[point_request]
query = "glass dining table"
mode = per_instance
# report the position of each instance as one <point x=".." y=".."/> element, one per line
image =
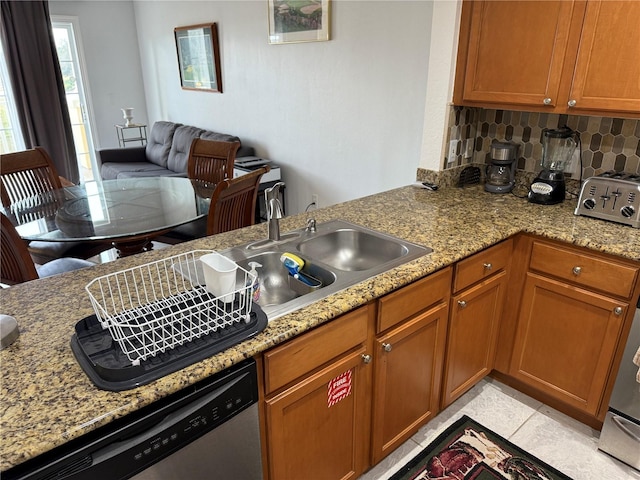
<point x="128" y="213"/>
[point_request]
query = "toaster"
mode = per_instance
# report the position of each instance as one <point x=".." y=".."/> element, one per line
<point x="613" y="196"/>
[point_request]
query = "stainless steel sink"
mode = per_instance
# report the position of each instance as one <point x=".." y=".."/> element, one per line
<point x="338" y="253"/>
<point x="277" y="287"/>
<point x="353" y="250"/>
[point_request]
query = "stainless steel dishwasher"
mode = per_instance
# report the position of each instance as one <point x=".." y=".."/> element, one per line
<point x="620" y="435"/>
<point x="207" y="431"/>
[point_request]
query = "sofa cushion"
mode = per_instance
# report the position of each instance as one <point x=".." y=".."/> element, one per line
<point x="113" y="170"/>
<point x="159" y="142"/>
<point x="179" y="153"/>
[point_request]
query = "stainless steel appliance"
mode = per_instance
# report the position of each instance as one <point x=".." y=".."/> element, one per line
<point x="558" y="145"/>
<point x="209" y="430"/>
<point x="500" y="174"/>
<point x="620" y="436"/>
<point x="613" y="196"/>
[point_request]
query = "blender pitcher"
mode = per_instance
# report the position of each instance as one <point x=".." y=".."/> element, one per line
<point x="558" y="146"/>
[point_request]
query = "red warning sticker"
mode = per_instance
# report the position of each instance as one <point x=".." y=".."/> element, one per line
<point x="339" y="388"/>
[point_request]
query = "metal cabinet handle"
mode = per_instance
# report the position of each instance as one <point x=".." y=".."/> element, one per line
<point x="547" y="101"/>
<point x="618" y="311"/>
<point x="366" y="358"/>
<point x="462" y="303"/>
<point x="572" y="103"/>
<point x="387" y="347"/>
<point x="487" y="266"/>
<point x="577" y="271"/>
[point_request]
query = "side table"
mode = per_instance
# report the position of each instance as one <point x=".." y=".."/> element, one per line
<point x="138" y="134"/>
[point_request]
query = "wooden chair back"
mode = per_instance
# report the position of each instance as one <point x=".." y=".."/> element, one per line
<point x="233" y="202"/>
<point x="211" y="161"/>
<point x="26" y="173"/>
<point x="16" y="265"/>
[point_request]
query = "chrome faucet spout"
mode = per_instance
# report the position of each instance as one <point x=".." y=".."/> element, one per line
<point x="274" y="210"/>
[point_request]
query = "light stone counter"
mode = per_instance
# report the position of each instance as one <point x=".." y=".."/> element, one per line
<point x="47" y="400"/>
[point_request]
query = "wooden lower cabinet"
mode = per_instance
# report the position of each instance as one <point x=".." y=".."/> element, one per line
<point x="566" y="340"/>
<point x="408" y="371"/>
<point x="317" y="409"/>
<point x="471" y="341"/>
<point x="312" y="439"/>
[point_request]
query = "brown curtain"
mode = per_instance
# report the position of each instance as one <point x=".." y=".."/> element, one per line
<point x="32" y="61"/>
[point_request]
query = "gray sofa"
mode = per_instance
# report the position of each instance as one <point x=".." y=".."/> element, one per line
<point x="165" y="154"/>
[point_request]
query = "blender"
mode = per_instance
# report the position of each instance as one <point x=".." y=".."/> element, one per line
<point x="558" y="145"/>
<point x="500" y="174"/>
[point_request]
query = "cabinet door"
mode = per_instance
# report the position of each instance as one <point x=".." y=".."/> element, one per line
<point x="471" y="341"/>
<point x="407" y="379"/>
<point x="608" y="66"/>
<point x="313" y="432"/>
<point x="516" y="52"/>
<point x="565" y="341"/>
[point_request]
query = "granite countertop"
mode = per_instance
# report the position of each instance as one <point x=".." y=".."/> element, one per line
<point x="48" y="400"/>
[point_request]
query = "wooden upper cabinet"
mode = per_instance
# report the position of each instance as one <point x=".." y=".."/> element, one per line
<point x="516" y="51"/>
<point x="607" y="72"/>
<point x="550" y="56"/>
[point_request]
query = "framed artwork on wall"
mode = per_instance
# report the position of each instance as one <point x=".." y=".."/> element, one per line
<point x="199" y="57"/>
<point x="293" y="21"/>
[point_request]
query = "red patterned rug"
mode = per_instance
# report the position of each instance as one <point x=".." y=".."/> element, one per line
<point x="468" y="451"/>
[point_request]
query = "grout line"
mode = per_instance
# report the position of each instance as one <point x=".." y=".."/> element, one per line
<point x="526" y="420"/>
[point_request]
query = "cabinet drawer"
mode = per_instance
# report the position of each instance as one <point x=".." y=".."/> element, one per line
<point x="589" y="270"/>
<point x="414" y="298"/>
<point x="301" y="355"/>
<point x="482" y="265"/>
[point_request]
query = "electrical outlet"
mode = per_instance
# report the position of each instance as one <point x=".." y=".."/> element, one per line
<point x="468" y="148"/>
<point x="452" y="151"/>
<point x="314" y="200"/>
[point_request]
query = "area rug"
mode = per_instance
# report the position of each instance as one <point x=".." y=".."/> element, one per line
<point x="468" y="451"/>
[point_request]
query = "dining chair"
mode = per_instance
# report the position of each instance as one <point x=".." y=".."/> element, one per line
<point x="233" y="202"/>
<point x="29" y="173"/>
<point x="233" y="206"/>
<point x="16" y="264"/>
<point x="211" y="161"/>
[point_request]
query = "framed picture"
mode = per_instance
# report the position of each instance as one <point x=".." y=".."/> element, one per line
<point x="199" y="57"/>
<point x="292" y="21"/>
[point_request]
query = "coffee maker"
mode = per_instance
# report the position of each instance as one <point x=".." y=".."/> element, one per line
<point x="558" y="145"/>
<point x="500" y="173"/>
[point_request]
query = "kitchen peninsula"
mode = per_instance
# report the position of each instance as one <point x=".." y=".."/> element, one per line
<point x="48" y="400"/>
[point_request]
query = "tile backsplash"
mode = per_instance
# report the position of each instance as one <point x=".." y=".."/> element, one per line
<point x="607" y="143"/>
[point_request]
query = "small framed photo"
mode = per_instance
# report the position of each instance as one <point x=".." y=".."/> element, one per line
<point x="199" y="57"/>
<point x="293" y="21"/>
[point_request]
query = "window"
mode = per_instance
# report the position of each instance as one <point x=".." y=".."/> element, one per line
<point x="11" y="139"/>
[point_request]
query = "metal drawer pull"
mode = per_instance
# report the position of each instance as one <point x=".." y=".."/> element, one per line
<point x="387" y="347"/>
<point x="462" y="303"/>
<point x="618" y="311"/>
<point x="547" y="101"/>
<point x="366" y="358"/>
<point x="577" y="271"/>
<point x="572" y="103"/>
<point x="488" y="266"/>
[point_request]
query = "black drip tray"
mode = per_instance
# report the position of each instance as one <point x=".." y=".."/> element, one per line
<point x="108" y="367"/>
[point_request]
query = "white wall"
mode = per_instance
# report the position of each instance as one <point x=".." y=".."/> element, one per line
<point x="343" y="118"/>
<point x="112" y="58"/>
<point x="442" y="63"/>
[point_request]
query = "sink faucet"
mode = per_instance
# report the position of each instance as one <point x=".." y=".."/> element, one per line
<point x="274" y="210"/>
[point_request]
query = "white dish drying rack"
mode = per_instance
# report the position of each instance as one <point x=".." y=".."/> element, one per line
<point x="164" y="304"/>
